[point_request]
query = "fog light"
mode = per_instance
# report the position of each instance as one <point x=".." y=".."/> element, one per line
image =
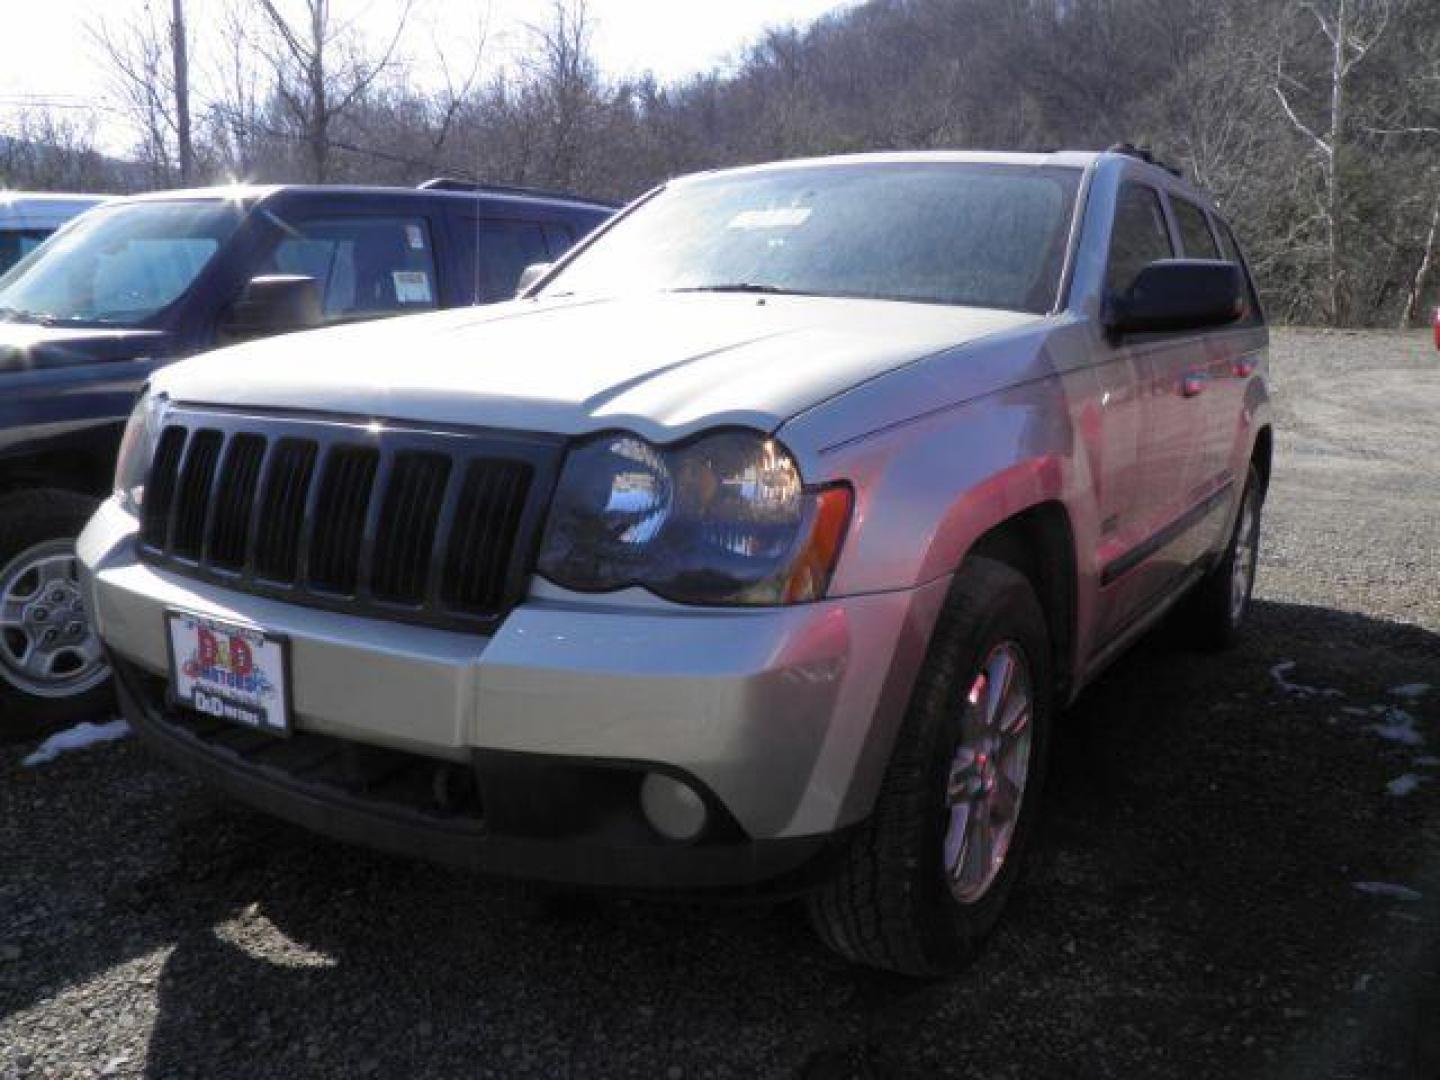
<point x="674" y="809"/>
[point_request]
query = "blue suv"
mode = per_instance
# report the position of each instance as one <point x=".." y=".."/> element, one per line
<point x="139" y="282"/>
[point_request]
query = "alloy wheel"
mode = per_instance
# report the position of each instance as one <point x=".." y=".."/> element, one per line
<point x="986" y="786"/>
<point x="1242" y="571"/>
<point x="48" y="647"/>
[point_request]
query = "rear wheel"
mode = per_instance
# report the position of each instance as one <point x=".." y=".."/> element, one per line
<point x="52" y="669"/>
<point x="1211" y="616"/>
<point x="926" y="877"/>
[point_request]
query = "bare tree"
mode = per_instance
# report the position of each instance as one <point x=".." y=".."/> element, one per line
<point x="450" y="100"/>
<point x="235" y="120"/>
<point x="1315" y="123"/>
<point x="565" y="85"/>
<point x="148" y="58"/>
<point x="1350" y="29"/>
<point x="43" y="149"/>
<point x="1421" y="281"/>
<point x="322" y="72"/>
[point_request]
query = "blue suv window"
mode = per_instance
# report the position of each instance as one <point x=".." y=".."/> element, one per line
<point x="16" y="244"/>
<point x="506" y="247"/>
<point x="365" y="266"/>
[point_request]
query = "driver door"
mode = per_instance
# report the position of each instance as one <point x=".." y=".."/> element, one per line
<point x="1146" y="555"/>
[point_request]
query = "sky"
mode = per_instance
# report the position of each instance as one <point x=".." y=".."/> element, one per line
<point x="48" y="56"/>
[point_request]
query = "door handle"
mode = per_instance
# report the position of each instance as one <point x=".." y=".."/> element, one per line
<point x="1194" y="383"/>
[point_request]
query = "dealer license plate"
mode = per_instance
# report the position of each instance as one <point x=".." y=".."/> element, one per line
<point x="232" y="672"/>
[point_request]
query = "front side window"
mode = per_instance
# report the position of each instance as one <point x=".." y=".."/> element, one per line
<point x="364" y="266"/>
<point x="1195" y="231"/>
<point x="985" y="235"/>
<point x="119" y="265"/>
<point x="1139" y="236"/>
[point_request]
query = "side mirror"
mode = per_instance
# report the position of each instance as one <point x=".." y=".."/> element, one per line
<point x="1179" y="294"/>
<point x="272" y="304"/>
<point x="530" y="275"/>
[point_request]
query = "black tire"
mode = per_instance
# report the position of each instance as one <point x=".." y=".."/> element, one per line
<point x="29" y="519"/>
<point x="1209" y="618"/>
<point x="889" y="904"/>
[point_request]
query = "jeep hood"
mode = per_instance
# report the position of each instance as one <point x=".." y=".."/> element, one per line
<point x="26" y="346"/>
<point x="663" y="365"/>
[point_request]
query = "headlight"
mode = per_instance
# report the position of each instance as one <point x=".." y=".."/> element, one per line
<point x="137" y="448"/>
<point x="724" y="519"/>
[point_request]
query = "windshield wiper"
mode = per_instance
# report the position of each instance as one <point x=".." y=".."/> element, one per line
<point x="743" y="287"/>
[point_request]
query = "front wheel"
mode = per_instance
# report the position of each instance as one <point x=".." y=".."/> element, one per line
<point x="52" y="669"/>
<point x="927" y="875"/>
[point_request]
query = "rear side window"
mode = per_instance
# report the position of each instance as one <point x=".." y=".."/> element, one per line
<point x="16" y="244"/>
<point x="506" y="247"/>
<point x="365" y="266"/>
<point x="1138" y="238"/>
<point x="1195" y="231"/>
<point x="558" y="238"/>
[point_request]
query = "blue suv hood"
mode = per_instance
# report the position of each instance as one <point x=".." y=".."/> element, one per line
<point x="25" y="346"/>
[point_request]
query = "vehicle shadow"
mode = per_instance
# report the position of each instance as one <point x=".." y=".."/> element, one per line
<point x="1191" y="910"/>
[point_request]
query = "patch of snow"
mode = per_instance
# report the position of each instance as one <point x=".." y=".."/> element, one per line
<point x="1399" y="726"/>
<point x="77" y="738"/>
<point x="1281" y="672"/>
<point x="1385" y="888"/>
<point x="1354" y="710"/>
<point x="1427" y="761"/>
<point x="1404" y="785"/>
<point x="1410" y="691"/>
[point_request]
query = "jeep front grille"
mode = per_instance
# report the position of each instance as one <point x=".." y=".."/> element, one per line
<point x="420" y="525"/>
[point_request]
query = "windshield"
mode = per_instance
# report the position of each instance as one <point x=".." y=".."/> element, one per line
<point x="117" y="265"/>
<point x="943" y="232"/>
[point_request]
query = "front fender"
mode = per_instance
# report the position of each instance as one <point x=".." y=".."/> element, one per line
<point x="927" y="489"/>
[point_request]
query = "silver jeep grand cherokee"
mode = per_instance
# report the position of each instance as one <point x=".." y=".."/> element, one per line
<point x="755" y="548"/>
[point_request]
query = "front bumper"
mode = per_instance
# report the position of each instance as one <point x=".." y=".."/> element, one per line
<point x="782" y="718"/>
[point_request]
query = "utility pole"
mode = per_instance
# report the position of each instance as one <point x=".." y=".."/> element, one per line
<point x="181" y="64"/>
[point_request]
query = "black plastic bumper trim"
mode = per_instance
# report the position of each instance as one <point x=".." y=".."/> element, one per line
<point x="747" y="867"/>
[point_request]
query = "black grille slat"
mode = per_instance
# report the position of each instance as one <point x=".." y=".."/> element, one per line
<point x="492" y="502"/>
<point x="344" y="500"/>
<point x="235" y="501"/>
<point x="282" y="509"/>
<point x="429" y="527"/>
<point x="160" y="487"/>
<point x="192" y="495"/>
<point x="409" y="519"/>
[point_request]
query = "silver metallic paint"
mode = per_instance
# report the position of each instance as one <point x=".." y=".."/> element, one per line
<point x="947" y="421"/>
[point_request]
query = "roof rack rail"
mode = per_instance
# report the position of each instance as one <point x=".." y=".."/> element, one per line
<point x="450" y="183"/>
<point x="1142" y="153"/>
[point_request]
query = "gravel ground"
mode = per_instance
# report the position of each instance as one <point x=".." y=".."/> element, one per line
<point x="1192" y="911"/>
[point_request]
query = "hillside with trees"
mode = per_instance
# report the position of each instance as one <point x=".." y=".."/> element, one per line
<point x="1314" y="123"/>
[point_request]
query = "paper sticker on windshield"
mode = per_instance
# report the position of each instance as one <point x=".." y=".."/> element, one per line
<point x="412" y="287"/>
<point x="415" y="237"/>
<point x="786" y="217"/>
